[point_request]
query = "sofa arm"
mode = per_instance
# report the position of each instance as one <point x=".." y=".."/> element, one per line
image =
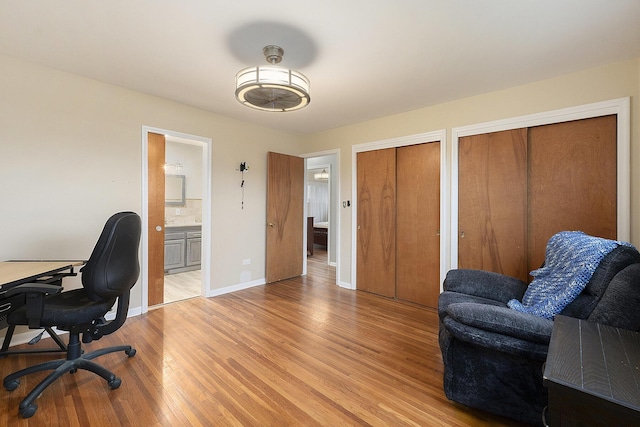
<point x="502" y="320"/>
<point x="619" y="304"/>
<point x="484" y="284"/>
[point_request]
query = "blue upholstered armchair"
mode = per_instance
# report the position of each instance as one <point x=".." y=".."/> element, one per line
<point x="493" y="355"/>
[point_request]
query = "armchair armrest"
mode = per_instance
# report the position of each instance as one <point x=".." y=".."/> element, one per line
<point x="484" y="284"/>
<point x="35" y="294"/>
<point x="503" y="320"/>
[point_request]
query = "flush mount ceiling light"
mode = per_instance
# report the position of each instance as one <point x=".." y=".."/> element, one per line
<point x="321" y="176"/>
<point x="271" y="88"/>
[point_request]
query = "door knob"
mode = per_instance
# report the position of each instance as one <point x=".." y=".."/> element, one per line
<point x="158" y="228"/>
<point x="462" y="235"/>
<point x="271" y="224"/>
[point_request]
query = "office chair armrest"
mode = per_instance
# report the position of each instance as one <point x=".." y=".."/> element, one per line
<point x="104" y="328"/>
<point x="35" y="294"/>
<point x="41" y="288"/>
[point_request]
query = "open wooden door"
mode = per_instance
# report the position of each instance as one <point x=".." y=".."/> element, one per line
<point x="285" y="197"/>
<point x="156" y="153"/>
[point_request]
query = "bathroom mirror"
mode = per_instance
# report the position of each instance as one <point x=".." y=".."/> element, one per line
<point x="174" y="190"/>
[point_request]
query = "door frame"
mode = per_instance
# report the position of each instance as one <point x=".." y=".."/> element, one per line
<point x="619" y="107"/>
<point x="206" y="209"/>
<point x="334" y="197"/>
<point x="422" y="138"/>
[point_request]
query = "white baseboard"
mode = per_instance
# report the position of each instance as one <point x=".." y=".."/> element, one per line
<point x="345" y="285"/>
<point x="238" y="287"/>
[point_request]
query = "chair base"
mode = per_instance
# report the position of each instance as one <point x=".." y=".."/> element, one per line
<point x="4" y="351"/>
<point x="60" y="367"/>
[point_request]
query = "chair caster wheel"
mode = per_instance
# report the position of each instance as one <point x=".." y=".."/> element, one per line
<point x="131" y="352"/>
<point x="28" y="411"/>
<point x="12" y="385"/>
<point x="115" y="383"/>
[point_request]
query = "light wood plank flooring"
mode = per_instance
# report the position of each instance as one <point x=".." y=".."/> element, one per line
<point x="301" y="352"/>
<point x="181" y="286"/>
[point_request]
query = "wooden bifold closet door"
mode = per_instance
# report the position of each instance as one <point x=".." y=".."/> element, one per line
<point x="398" y="252"/>
<point x="517" y="188"/>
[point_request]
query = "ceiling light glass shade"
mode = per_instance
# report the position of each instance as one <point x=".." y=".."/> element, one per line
<point x="271" y="88"/>
<point x="321" y="176"/>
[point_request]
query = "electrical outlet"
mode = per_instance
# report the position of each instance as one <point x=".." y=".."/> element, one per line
<point x="246" y="261"/>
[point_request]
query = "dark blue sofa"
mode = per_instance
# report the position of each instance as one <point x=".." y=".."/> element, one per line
<point x="493" y="356"/>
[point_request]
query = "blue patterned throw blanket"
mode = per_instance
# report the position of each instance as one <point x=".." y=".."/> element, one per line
<point x="570" y="260"/>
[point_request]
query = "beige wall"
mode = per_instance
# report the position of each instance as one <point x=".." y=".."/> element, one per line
<point x="584" y="87"/>
<point x="71" y="155"/>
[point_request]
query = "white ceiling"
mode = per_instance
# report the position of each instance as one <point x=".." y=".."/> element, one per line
<point x="365" y="58"/>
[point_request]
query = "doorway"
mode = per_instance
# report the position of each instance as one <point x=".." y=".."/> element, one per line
<point x="182" y="219"/>
<point x="322" y="211"/>
<point x="176" y="229"/>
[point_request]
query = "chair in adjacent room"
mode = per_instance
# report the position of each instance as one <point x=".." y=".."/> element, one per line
<point x="493" y="355"/>
<point x="108" y="276"/>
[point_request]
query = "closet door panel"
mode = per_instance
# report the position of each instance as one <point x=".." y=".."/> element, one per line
<point x="492" y="202"/>
<point x="418" y="223"/>
<point x="572" y="181"/>
<point x="376" y="228"/>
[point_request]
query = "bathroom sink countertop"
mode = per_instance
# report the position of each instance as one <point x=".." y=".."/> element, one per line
<point x="192" y="224"/>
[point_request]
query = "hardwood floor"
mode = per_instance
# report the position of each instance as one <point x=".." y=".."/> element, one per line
<point x="301" y="352"/>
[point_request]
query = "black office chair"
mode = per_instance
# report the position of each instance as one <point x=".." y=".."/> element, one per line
<point x="109" y="275"/>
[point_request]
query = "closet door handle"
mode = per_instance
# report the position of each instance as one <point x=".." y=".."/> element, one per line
<point x="462" y="235"/>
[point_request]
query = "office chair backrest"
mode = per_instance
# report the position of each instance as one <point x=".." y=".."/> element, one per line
<point x="113" y="267"/>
